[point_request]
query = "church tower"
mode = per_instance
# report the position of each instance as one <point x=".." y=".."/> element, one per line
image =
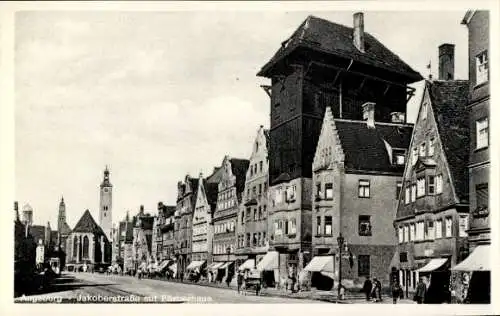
<point x="61" y="218"/>
<point x="105" y="205"/>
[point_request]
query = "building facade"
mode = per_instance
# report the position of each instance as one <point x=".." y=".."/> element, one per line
<point x="321" y="64"/>
<point x="165" y="217"/>
<point x="206" y="201"/>
<point x="432" y="214"/>
<point x="252" y="222"/>
<point x="106" y="205"/>
<point x="186" y="199"/>
<point x="477" y="23"/>
<point x="143" y="239"/>
<point x="357" y="173"/>
<point x="87" y="245"/>
<point x="230" y="191"/>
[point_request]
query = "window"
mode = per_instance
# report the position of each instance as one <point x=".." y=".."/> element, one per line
<point x="260" y="165"/>
<point x="276" y="228"/>
<point x="400" y="235"/>
<point x="365" y="227"/>
<point x="439" y="229"/>
<point x="422" y="150"/>
<point x="363" y="265"/>
<point x="364" y="189"/>
<point x="407" y="195"/>
<point x="431" y="185"/>
<point x="255" y="214"/>
<point x="420" y="187"/>
<point x="290" y="193"/>
<point x="328" y="225"/>
<point x="430" y="149"/>
<point x="482" y="132"/>
<point x="430" y="231"/>
<point x="259" y="216"/>
<point x="463" y="225"/>
<point x="318" y="190"/>
<point x="329" y="191"/>
<point x="403" y="257"/>
<point x="406" y="233"/>
<point x="420" y="231"/>
<point x="448" y="226"/>
<point x="413" y="192"/>
<point x="292" y="230"/>
<point x="264" y="212"/>
<point x="286" y="227"/>
<point x="482" y="70"/>
<point x="318" y="225"/>
<point x="248" y="240"/>
<point x="412" y="232"/>
<point x="424" y="111"/>
<point x="398" y="157"/>
<point x="260" y="189"/>
<point x="399" y="186"/>
<point x="439" y="184"/>
<point x="482" y="198"/>
<point x="414" y="155"/>
<point x="279" y="196"/>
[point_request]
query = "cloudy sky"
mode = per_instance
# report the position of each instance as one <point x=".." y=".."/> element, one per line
<point x="158" y="95"/>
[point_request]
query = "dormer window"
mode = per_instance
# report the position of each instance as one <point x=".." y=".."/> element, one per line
<point x="398" y="157"/>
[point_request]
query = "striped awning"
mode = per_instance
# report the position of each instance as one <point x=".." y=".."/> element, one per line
<point x="249" y="264"/>
<point x="320" y="264"/>
<point x="195" y="264"/>
<point x="269" y="262"/>
<point x="215" y="265"/>
<point x="225" y="265"/>
<point x="433" y="265"/>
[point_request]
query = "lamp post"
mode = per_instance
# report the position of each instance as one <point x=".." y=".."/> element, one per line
<point x="340" y="241"/>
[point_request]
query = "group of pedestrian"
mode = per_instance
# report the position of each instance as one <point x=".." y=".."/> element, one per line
<point x="372" y="290"/>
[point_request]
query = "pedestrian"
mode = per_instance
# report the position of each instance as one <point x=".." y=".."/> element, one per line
<point x="377" y="289"/>
<point x="367" y="288"/>
<point x="182" y="276"/>
<point x="397" y="291"/>
<point x="239" y="281"/>
<point x="420" y="292"/>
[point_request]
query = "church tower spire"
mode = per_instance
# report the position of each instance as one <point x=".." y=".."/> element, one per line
<point x="61" y="218"/>
<point x="105" y="205"/>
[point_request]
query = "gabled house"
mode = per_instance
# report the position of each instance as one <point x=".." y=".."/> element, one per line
<point x="252" y="223"/>
<point x="432" y="215"/>
<point x="186" y="199"/>
<point x="143" y="239"/>
<point x="357" y="173"/>
<point x="229" y="197"/>
<point x="164" y="212"/>
<point x="322" y="64"/>
<point x="206" y="200"/>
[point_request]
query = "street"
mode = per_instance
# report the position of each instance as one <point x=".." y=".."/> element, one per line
<point x="102" y="288"/>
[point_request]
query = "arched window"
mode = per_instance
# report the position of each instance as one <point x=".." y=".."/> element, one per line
<point x="85" y="254"/>
<point x="75" y="246"/>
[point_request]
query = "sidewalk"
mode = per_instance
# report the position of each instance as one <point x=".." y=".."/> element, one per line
<point x="324" y="296"/>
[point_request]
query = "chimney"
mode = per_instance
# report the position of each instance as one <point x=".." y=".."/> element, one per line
<point x="369" y="114"/>
<point x="446" y="62"/>
<point x="359" y="31"/>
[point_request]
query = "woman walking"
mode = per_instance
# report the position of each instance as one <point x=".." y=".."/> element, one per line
<point x="397" y="291"/>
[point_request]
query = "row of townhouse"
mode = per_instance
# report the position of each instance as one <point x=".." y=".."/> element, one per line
<point x="442" y="220"/>
<point x="340" y="168"/>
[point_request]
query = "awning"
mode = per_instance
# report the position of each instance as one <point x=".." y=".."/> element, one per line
<point x="225" y="265"/>
<point x="164" y="264"/>
<point x="320" y="264"/>
<point x="478" y="260"/>
<point x="215" y="265"/>
<point x="433" y="265"/>
<point x="269" y="262"/>
<point x="249" y="264"/>
<point x="195" y="264"/>
<point x="173" y="268"/>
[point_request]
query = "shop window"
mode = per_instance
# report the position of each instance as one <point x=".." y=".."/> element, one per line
<point x="363" y="265"/>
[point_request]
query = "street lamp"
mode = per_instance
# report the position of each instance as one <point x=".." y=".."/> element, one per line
<point x="340" y="241"/>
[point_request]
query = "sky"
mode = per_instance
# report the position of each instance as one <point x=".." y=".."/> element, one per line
<point x="158" y="95"/>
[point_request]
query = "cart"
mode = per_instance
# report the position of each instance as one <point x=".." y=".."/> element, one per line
<point x="253" y="281"/>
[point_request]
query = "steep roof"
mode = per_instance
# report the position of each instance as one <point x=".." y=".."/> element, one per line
<point x="211" y="190"/>
<point x="364" y="147"/>
<point x="167" y="211"/>
<point x="239" y="169"/>
<point x="65" y="229"/>
<point x="87" y="224"/>
<point x="37" y="232"/>
<point x="216" y="176"/>
<point x="449" y="103"/>
<point x="336" y="39"/>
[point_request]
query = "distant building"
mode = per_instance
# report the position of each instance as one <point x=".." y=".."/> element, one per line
<point x="322" y="64"/>
<point x="186" y="199"/>
<point x="106" y="205"/>
<point x="63" y="229"/>
<point x="252" y="223"/>
<point x="143" y="239"/>
<point x="230" y="195"/>
<point x="87" y="245"/>
<point x="432" y="214"/>
<point x="164" y="212"/>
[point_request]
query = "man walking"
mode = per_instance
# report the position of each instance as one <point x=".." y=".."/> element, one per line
<point x="367" y="288"/>
<point x="397" y="291"/>
<point x="420" y="292"/>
